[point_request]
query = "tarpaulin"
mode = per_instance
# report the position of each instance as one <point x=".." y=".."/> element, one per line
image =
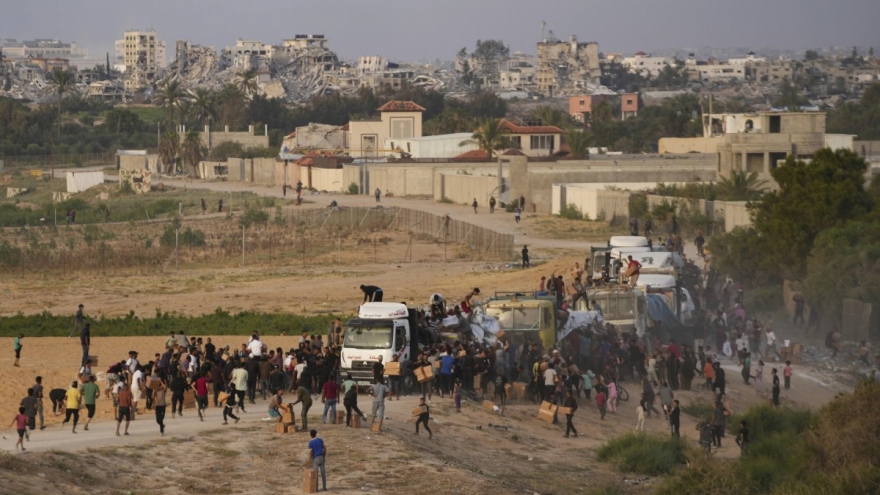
<point x="578" y="320"/>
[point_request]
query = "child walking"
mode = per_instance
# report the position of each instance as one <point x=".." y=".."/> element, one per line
<point x="600" y="401"/>
<point x="612" y="398"/>
<point x="20" y="421"/>
<point x="229" y="405"/>
<point x="759" y="375"/>
<point x="423" y="418"/>
<point x="456" y="392"/>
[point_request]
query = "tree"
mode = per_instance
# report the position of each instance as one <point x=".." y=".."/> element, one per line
<point x="169" y="150"/>
<point x="204" y="105"/>
<point x="488" y="58"/>
<point x="192" y="151"/>
<point x="811" y="198"/>
<point x="232" y="108"/>
<point x="789" y="97"/>
<point x="61" y="81"/>
<point x="170" y="97"/>
<point x="246" y="82"/>
<point x="552" y="116"/>
<point x="740" y="186"/>
<point x="844" y="263"/>
<point x="490" y="137"/>
<point x="811" y="55"/>
<point x="579" y="142"/>
<point x="741" y="253"/>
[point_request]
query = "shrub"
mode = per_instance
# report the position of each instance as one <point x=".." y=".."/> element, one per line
<point x="638" y="205"/>
<point x="353" y="188"/>
<point x="643" y="454"/>
<point x="572" y="212"/>
<point x="763" y="299"/>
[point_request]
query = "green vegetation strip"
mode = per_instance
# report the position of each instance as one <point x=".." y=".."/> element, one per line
<point x="219" y="322"/>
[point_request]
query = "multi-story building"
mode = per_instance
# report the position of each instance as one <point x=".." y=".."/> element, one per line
<point x="46" y="48"/>
<point x="371" y="64"/>
<point x="646" y="65"/>
<point x="246" y="54"/>
<point x="773" y="71"/>
<point x="749" y="58"/>
<point x="561" y="63"/>
<point x="143" y="54"/>
<point x="716" y="72"/>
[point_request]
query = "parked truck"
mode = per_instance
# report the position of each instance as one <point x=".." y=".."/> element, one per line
<point x="526" y="315"/>
<point x="380" y="330"/>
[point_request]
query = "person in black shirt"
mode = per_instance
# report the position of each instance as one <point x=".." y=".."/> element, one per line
<point x="371" y="293"/>
<point x="500" y="392"/>
<point x="675" y="419"/>
<point x="573" y="405"/>
<point x="85" y="339"/>
<point x="775" y="388"/>
<point x="743" y="438"/>
<point x="378" y="371"/>
<point x="210" y="349"/>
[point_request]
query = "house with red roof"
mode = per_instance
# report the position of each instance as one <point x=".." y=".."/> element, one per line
<point x="534" y="140"/>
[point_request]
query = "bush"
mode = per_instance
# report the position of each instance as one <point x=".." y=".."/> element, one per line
<point x="643" y="454"/>
<point x="638" y="205"/>
<point x="353" y="188"/>
<point x="764" y="299"/>
<point x="572" y="212"/>
<point x="219" y="322"/>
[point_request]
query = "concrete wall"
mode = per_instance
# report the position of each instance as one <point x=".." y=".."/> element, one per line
<point x="247" y="139"/>
<point x="132" y="162"/>
<point x="688" y="145"/>
<point x="262" y="171"/>
<point x="464" y="188"/>
<point x="80" y="181"/>
<point x="328" y="179"/>
<point x="730" y="214"/>
<point x="594" y="203"/>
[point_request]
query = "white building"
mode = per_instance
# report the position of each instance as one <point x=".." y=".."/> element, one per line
<point x="373" y="63"/>
<point x="440" y="146"/>
<point x="750" y="57"/>
<point x="647" y="65"/>
<point x="246" y="54"/>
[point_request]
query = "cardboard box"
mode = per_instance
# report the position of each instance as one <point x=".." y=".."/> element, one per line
<point x="340" y="418"/>
<point x="424" y="374"/>
<point x="287" y="417"/>
<point x="417" y="411"/>
<point x="189" y="401"/>
<point x="392" y="368"/>
<point x="376" y="425"/>
<point x="310" y="480"/>
<point x="94" y="361"/>
<point x="280" y="428"/>
<point x="478" y="382"/>
<point x="222" y="397"/>
<point x="565" y="411"/>
<point x="507" y="390"/>
<point x="500" y="335"/>
<point x="355" y="421"/>
<point x="520" y="390"/>
<point x="545" y="415"/>
<point x="488" y="404"/>
<point x="154" y="383"/>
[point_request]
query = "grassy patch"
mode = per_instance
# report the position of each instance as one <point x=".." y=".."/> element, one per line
<point x="643" y="454"/>
<point x="219" y="322"/>
<point x="221" y="452"/>
<point x="698" y="409"/>
<point x="564" y="228"/>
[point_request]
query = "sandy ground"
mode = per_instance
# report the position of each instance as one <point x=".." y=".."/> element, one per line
<point x="205" y="457"/>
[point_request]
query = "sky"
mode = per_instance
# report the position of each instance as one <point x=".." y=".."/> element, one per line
<point x="420" y="29"/>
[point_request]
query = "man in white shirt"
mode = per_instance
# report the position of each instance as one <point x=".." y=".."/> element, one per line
<point x="549" y="383"/>
<point x="771" y="342"/>
<point x="137" y="382"/>
<point x="239" y="378"/>
<point x="255" y="347"/>
<point x="288" y="375"/>
<point x="132" y="361"/>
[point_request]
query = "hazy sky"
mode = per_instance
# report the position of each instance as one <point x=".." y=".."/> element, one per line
<point x="415" y="29"/>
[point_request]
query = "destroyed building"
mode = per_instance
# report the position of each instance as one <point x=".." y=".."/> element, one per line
<point x="564" y="66"/>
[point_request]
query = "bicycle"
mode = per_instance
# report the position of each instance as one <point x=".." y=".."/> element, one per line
<point x="622" y="394"/>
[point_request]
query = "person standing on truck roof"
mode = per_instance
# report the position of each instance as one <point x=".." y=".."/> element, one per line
<point x="633" y="268"/>
<point x="371" y="293"/>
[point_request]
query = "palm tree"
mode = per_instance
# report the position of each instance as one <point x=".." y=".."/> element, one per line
<point x="204" y="105"/>
<point x="490" y="137"/>
<point x="169" y="149"/>
<point x="192" y="151"/>
<point x="740" y="186"/>
<point x="62" y="80"/>
<point x="551" y="116"/>
<point x="578" y="142"/>
<point x="170" y="96"/>
<point x="231" y="106"/>
<point x="246" y="81"/>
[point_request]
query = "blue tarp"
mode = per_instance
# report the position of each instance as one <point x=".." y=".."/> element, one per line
<point x="666" y="324"/>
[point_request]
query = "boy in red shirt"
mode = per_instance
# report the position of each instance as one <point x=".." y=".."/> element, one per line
<point x="786" y="373"/>
<point x="600" y="401"/>
<point x="20" y="421"/>
<point x="201" y="386"/>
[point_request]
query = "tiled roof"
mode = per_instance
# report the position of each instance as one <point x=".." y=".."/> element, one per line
<point x="530" y="129"/>
<point x="513" y="152"/>
<point x="401" y="106"/>
<point x="472" y="154"/>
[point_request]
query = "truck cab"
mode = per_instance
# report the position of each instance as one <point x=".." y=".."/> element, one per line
<point x="627" y="310"/>
<point x="608" y="258"/>
<point x="380" y="330"/>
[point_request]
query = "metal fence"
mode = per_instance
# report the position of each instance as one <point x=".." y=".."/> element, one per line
<point x="484" y="243"/>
